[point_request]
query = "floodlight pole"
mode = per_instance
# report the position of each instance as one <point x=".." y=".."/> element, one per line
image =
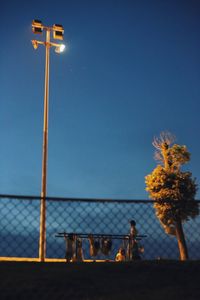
<point x="42" y="242"/>
<point x="58" y="32"/>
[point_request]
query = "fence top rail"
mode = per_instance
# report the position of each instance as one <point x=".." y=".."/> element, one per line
<point x="71" y="199"/>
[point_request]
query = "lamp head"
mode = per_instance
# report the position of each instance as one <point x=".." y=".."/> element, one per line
<point x="37" y="26"/>
<point x="60" y="48"/>
<point x="58" y="32"/>
<point x="35" y="44"/>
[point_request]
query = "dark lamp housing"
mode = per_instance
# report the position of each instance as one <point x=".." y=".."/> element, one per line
<point x="58" y="32"/>
<point x="37" y="26"/>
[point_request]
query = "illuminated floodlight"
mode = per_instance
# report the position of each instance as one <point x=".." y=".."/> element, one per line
<point x="37" y="26"/>
<point x="58" y="32"/>
<point x="60" y="48"/>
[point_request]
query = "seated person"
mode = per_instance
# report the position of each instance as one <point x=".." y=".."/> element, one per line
<point x="120" y="256"/>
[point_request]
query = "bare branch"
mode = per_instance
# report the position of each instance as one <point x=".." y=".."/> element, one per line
<point x="158" y="156"/>
<point x="164" y="138"/>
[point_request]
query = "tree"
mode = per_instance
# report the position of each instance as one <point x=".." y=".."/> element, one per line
<point x="173" y="189"/>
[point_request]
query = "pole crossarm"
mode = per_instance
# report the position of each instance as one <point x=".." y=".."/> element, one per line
<point x="50" y="44"/>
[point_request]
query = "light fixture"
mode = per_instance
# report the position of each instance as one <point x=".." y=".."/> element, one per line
<point x="58" y="32"/>
<point x="37" y="26"/>
<point x="60" y="48"/>
<point x="35" y="44"/>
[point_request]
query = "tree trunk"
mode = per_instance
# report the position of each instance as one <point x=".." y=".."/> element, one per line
<point x="181" y="241"/>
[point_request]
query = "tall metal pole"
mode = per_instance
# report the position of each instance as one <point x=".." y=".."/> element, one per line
<point x="42" y="241"/>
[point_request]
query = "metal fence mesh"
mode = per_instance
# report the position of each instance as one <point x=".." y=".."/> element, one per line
<point x="20" y="218"/>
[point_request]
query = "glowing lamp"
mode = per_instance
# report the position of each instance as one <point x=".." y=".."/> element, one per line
<point x="60" y="48"/>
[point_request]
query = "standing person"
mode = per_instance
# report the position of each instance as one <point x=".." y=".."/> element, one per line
<point x="136" y="251"/>
<point x="133" y="230"/>
<point x="79" y="250"/>
<point x="70" y="245"/>
<point x="132" y="239"/>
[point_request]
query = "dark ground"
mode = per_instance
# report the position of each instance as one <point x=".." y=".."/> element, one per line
<point x="143" y="280"/>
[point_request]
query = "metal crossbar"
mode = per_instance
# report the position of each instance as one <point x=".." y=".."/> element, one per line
<point x="99" y="235"/>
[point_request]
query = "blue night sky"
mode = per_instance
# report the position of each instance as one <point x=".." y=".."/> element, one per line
<point x="131" y="70"/>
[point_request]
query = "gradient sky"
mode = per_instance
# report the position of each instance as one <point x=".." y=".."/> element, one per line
<point x="132" y="70"/>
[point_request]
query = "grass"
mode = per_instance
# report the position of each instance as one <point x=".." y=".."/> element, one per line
<point x="142" y="280"/>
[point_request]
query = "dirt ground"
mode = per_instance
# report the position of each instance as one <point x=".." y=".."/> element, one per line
<point x="142" y="280"/>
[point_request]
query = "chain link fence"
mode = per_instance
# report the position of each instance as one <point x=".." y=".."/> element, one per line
<point x="20" y="223"/>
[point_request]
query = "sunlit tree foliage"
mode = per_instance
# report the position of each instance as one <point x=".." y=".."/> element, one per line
<point x="173" y="189"/>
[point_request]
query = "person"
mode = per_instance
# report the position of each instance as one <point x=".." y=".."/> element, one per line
<point x="70" y="244"/>
<point x="106" y="245"/>
<point x="135" y="251"/>
<point x="120" y="256"/>
<point x="79" y="251"/>
<point x="94" y="245"/>
<point x="132" y="240"/>
<point x="133" y="230"/>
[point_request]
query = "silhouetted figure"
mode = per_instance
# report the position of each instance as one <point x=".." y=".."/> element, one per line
<point x="133" y="230"/>
<point x="106" y="245"/>
<point x="132" y="245"/>
<point x="70" y="246"/>
<point x="79" y="251"/>
<point x="94" y="246"/>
